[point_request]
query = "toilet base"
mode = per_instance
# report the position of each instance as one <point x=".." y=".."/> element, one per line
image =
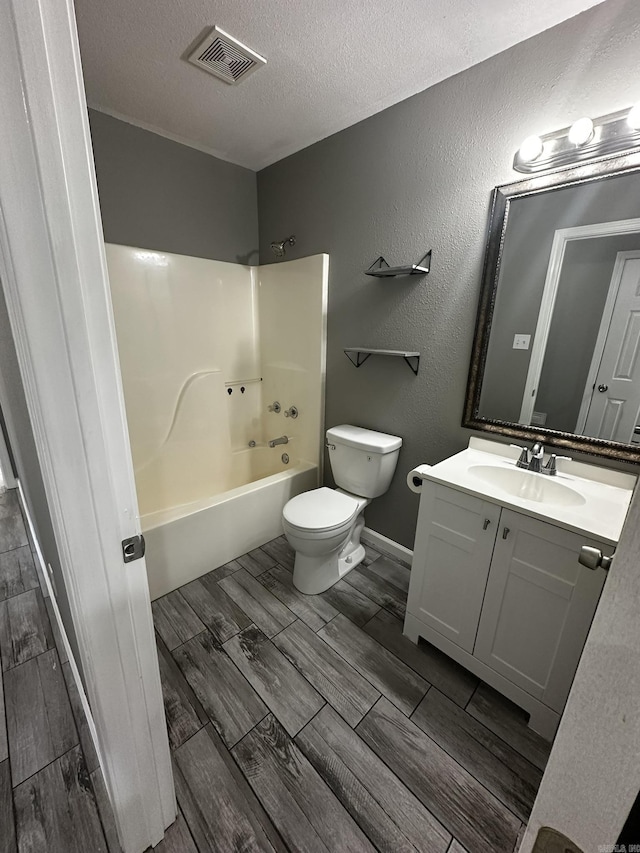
<point x="312" y="575"/>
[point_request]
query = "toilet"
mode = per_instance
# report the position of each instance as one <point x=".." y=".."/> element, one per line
<point x="323" y="526"/>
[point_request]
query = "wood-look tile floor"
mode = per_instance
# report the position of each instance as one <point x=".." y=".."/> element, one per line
<point x="309" y="723"/>
<point x="52" y="794"/>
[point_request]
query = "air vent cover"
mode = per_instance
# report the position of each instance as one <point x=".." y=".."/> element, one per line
<point x="226" y="57"/>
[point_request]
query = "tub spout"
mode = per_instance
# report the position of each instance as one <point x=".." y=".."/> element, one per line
<point x="276" y="441"/>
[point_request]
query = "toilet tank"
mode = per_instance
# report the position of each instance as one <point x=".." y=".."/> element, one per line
<point x="363" y="461"/>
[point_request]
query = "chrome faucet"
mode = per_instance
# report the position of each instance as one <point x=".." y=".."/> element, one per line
<point x="537" y="456"/>
<point x="276" y="441"/>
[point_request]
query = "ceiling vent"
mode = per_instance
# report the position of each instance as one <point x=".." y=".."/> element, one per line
<point x="226" y="57"/>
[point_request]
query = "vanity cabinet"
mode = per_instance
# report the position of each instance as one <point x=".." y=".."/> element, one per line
<point x="504" y="594"/>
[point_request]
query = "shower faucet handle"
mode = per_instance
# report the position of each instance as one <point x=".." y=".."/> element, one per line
<point x="275" y="407"/>
<point x="291" y="412"/>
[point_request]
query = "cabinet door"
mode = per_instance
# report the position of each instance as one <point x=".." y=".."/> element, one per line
<point x="454" y="541"/>
<point x="538" y="606"/>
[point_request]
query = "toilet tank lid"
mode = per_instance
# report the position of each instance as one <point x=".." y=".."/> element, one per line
<point x="364" y="439"/>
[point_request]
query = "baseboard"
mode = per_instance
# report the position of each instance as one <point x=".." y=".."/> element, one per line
<point x="48" y="592"/>
<point x="387" y="546"/>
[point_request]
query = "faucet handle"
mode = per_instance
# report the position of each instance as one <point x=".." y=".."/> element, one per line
<point x="275" y="407"/>
<point x="523" y="461"/>
<point x="551" y="467"/>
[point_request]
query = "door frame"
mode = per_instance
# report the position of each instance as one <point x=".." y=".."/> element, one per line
<point x="545" y="315"/>
<point x="603" y="333"/>
<point x="53" y="272"/>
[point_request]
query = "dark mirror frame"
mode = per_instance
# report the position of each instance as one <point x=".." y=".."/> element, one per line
<point x="498" y="219"/>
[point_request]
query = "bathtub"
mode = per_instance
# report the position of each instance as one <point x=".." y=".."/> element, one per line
<point x="190" y="539"/>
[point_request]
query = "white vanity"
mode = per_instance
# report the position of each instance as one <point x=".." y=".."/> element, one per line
<point x="495" y="579"/>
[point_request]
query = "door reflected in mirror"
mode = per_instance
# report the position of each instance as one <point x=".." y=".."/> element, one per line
<point x="557" y="347"/>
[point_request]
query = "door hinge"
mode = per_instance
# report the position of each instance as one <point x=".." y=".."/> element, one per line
<point x="133" y="548"/>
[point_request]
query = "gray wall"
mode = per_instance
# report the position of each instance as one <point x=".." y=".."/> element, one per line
<point x="531" y="227"/>
<point x="419" y="176"/>
<point x="158" y="194"/>
<point x="23" y="450"/>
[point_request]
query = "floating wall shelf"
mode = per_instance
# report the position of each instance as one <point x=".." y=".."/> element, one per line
<point x="362" y="354"/>
<point x="381" y="269"/>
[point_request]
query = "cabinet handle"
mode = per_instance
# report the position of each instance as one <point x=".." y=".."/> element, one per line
<point x="487" y="522"/>
<point x="505" y="532"/>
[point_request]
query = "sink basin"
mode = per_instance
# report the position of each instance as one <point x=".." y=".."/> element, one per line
<point x="527" y="485"/>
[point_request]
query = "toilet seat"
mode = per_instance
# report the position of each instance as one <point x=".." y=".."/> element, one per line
<point x="320" y="510"/>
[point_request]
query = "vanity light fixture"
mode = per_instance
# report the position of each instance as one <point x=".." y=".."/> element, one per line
<point x="587" y="139"/>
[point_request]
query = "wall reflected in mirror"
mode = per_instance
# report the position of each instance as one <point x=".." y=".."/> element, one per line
<point x="563" y="347"/>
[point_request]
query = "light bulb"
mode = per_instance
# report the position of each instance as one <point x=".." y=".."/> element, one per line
<point x="530" y="149"/>
<point x="633" y="119"/>
<point x="581" y="131"/>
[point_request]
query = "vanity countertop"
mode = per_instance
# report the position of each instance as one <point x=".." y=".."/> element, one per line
<point x="583" y="498"/>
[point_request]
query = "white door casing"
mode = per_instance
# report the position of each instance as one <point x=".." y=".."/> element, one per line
<point x="611" y="399"/>
<point x="545" y="315"/>
<point x="54" y="276"/>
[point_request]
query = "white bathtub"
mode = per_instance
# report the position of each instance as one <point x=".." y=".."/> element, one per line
<point x="189" y="540"/>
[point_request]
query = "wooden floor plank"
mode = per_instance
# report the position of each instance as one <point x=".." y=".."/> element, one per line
<point x="4" y="746"/>
<point x="336" y="680"/>
<point x="509" y="722"/>
<point x="378" y="590"/>
<point x="214" y="608"/>
<point x="13" y="533"/>
<point x="105" y="810"/>
<point x="467" y="809"/>
<point x="456" y="847"/>
<point x="177" y="838"/>
<point x="223" y="571"/>
<point x="230" y="702"/>
<point x="256" y="562"/>
<point x="24" y="628"/>
<point x="312" y="609"/>
<point x="283" y="689"/>
<point x="174" y="620"/>
<point x="184" y="714"/>
<point x="370" y="554"/>
<point x="280" y="551"/>
<point x="17" y="572"/>
<point x="263" y="608"/>
<point x="432" y="664"/>
<point x="348" y="600"/>
<point x="56" y="809"/>
<point x="305" y="811"/>
<point x="7" y="825"/>
<point x="82" y="726"/>
<point x="496" y="765"/>
<point x="392" y="817"/>
<point x="385" y="671"/>
<point x="392" y="572"/>
<point x="218" y="813"/>
<point x="40" y="722"/>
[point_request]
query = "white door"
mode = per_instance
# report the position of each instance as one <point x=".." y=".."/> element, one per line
<point x="538" y="606"/>
<point x="53" y="274"/>
<point x="454" y="542"/>
<point x="613" y="386"/>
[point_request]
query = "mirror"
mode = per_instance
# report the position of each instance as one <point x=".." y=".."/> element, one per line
<point x="556" y="354"/>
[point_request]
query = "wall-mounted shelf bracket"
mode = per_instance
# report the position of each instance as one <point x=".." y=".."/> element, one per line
<point x="358" y="355"/>
<point x="381" y="269"/>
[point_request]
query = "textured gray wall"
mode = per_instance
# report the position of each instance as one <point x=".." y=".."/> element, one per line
<point x="25" y="456"/>
<point x="419" y="176"/>
<point x="530" y="231"/>
<point x="158" y="194"/>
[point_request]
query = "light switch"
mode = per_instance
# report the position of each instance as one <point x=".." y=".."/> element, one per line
<point x="521" y="341"/>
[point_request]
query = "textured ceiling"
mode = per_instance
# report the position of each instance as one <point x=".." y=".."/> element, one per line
<point x="331" y="63"/>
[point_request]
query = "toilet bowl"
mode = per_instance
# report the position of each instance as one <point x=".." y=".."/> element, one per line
<point x="324" y="525"/>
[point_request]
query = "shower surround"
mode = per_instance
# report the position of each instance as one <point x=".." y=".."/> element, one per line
<point x="205" y="348"/>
